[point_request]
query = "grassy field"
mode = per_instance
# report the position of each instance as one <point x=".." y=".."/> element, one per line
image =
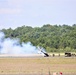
<point x="39" y="65"/>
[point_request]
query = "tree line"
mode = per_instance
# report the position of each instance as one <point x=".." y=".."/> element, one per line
<point x="54" y="38"/>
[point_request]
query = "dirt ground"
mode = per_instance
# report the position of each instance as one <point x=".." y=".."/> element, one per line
<point x="38" y="66"/>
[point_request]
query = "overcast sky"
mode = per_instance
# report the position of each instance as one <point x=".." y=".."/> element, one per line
<point x="36" y="13"/>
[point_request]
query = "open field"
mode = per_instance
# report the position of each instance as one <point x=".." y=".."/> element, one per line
<point x="38" y="65"/>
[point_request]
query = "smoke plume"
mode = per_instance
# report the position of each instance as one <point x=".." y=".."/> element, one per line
<point x="12" y="46"/>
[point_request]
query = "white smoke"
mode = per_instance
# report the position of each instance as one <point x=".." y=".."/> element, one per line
<point x="12" y="46"/>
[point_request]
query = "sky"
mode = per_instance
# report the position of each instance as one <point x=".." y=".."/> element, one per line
<point x="36" y="13"/>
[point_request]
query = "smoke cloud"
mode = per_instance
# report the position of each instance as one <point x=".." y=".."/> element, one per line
<point x="12" y="46"/>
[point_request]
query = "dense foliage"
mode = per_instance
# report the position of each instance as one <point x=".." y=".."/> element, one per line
<point x="54" y="38"/>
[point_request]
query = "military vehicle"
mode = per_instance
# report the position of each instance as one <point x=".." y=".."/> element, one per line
<point x="69" y="54"/>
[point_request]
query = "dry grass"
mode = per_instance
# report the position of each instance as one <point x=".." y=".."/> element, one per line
<point x="37" y="65"/>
